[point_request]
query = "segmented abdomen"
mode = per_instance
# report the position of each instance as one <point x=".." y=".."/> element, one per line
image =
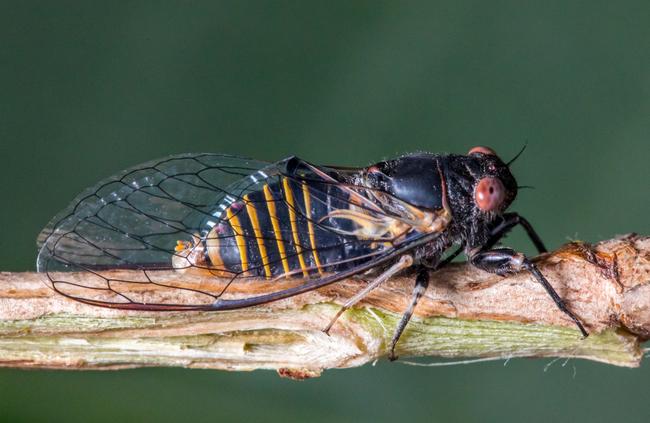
<point x="281" y="230"/>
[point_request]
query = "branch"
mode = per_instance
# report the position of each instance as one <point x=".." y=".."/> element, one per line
<point x="464" y="313"/>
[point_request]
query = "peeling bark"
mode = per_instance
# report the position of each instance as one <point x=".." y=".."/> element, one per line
<point x="464" y="313"/>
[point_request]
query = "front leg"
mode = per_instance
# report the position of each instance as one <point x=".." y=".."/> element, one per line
<point x="509" y="221"/>
<point x="504" y="261"/>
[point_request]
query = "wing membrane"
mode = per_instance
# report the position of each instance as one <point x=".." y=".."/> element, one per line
<point x="115" y="244"/>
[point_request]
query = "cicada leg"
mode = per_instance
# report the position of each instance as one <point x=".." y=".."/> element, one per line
<point x="503" y="261"/>
<point x="404" y="262"/>
<point x="421" y="284"/>
<point x="510" y="220"/>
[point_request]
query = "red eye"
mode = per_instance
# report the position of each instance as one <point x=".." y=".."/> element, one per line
<point x="489" y="194"/>
<point x="483" y="150"/>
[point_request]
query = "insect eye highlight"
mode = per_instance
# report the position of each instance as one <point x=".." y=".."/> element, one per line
<point x="482" y="150"/>
<point x="489" y="194"/>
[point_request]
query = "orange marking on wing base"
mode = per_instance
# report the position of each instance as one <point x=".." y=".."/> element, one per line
<point x="181" y="246"/>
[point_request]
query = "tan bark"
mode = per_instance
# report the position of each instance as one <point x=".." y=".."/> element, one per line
<point x="464" y="313"/>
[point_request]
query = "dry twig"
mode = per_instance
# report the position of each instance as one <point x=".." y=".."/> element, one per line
<point x="464" y="313"/>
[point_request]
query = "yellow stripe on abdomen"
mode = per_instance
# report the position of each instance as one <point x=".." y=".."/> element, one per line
<point x="252" y="215"/>
<point x="310" y="226"/>
<point x="294" y="224"/>
<point x="275" y="222"/>
<point x="233" y="219"/>
<point x="213" y="245"/>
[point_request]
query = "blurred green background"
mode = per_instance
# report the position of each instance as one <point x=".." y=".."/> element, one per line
<point x="88" y="88"/>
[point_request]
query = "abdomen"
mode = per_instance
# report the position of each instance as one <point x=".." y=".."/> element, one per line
<point x="281" y="230"/>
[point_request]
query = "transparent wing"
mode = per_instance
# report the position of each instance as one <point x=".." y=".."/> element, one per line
<point x="130" y="220"/>
<point x="116" y="244"/>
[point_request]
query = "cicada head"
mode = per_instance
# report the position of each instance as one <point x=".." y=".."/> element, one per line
<point x="494" y="187"/>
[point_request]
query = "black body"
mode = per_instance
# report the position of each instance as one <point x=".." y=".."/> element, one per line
<point x="243" y="219"/>
<point x="418" y="179"/>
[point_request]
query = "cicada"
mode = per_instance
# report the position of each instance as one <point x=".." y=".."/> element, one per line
<point x="239" y="219"/>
